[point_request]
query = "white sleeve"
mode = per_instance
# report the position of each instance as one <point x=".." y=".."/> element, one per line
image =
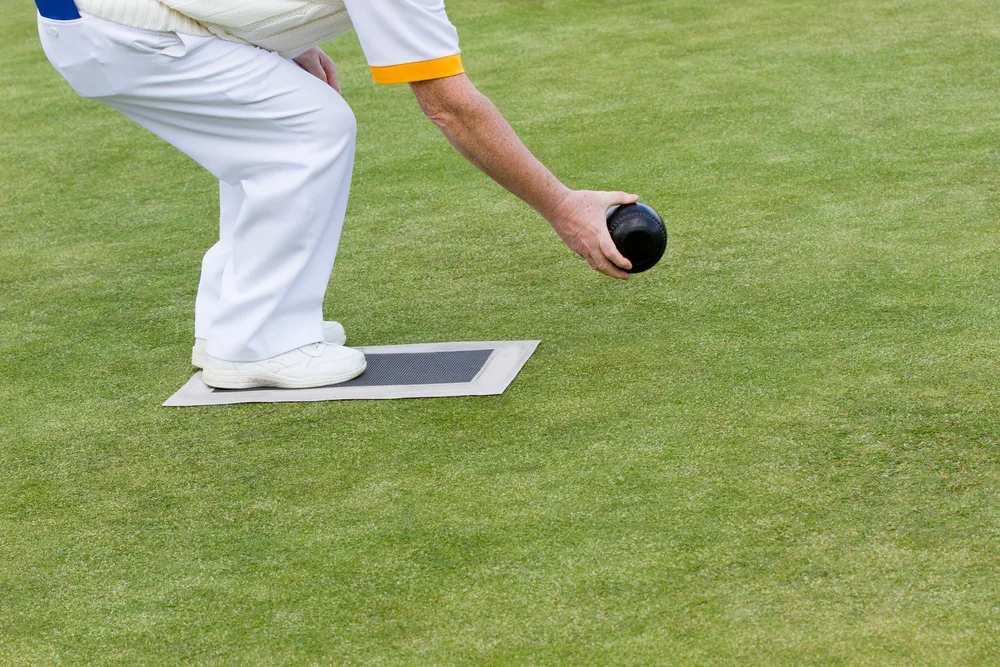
<point x="406" y="40"/>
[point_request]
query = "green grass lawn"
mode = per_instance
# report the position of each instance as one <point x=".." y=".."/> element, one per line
<point x="780" y="446"/>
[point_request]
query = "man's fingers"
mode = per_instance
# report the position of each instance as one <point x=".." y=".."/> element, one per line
<point x="607" y="246"/>
<point x="611" y="251"/>
<point x="602" y="265"/>
<point x="312" y="66"/>
<point x="331" y="74"/>
<point x="609" y="269"/>
<point x="316" y="70"/>
<point x="621" y="198"/>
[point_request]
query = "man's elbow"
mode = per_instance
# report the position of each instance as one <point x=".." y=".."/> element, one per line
<point x="448" y="102"/>
<point x="444" y="116"/>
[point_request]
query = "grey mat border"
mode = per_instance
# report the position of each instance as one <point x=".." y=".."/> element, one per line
<point x="507" y="360"/>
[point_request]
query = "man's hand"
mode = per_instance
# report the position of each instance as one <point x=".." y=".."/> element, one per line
<point x="477" y="129"/>
<point x="320" y="65"/>
<point x="581" y="222"/>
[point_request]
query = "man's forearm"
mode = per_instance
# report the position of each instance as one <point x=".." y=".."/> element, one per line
<point x="479" y="131"/>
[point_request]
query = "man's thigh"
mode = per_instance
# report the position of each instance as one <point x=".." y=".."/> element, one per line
<point x="233" y="108"/>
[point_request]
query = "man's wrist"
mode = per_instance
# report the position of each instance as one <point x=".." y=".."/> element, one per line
<point x="555" y="203"/>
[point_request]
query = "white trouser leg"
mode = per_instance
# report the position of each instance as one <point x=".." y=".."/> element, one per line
<point x="214" y="263"/>
<point x="258" y="123"/>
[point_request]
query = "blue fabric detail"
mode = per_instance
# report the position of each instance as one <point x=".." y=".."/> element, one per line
<point x="58" y="10"/>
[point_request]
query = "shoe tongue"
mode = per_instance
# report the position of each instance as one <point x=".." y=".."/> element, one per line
<point x="314" y="350"/>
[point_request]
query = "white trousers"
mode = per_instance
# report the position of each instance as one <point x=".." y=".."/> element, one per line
<point x="281" y="143"/>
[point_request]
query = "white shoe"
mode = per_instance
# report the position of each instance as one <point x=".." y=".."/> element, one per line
<point x="333" y="332"/>
<point x="315" y="365"/>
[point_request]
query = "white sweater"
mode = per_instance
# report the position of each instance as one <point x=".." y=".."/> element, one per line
<point x="287" y="27"/>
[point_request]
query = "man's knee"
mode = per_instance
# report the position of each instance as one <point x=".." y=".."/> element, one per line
<point x="347" y="119"/>
<point x="335" y="129"/>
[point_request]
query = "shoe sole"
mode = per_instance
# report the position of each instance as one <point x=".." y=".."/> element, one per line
<point x="222" y="379"/>
<point x="198" y="353"/>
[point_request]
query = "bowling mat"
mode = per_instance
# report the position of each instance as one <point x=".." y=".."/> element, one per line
<point x="394" y="371"/>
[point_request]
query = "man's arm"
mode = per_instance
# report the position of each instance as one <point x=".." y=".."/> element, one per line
<point x="476" y="128"/>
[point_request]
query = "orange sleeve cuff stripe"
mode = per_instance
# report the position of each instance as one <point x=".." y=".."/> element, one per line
<point x="438" y="68"/>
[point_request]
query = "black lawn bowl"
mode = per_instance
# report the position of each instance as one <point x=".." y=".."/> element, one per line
<point x="639" y="234"/>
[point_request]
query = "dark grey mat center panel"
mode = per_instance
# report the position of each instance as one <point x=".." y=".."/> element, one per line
<point x="404" y="369"/>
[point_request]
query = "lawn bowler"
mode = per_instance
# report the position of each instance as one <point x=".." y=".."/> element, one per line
<point x="241" y="88"/>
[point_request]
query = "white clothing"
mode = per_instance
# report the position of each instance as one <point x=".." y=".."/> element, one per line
<point x="406" y="40"/>
<point x="280" y="141"/>
<point x="392" y="32"/>
<point x="146" y="14"/>
<point x="287" y="27"/>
